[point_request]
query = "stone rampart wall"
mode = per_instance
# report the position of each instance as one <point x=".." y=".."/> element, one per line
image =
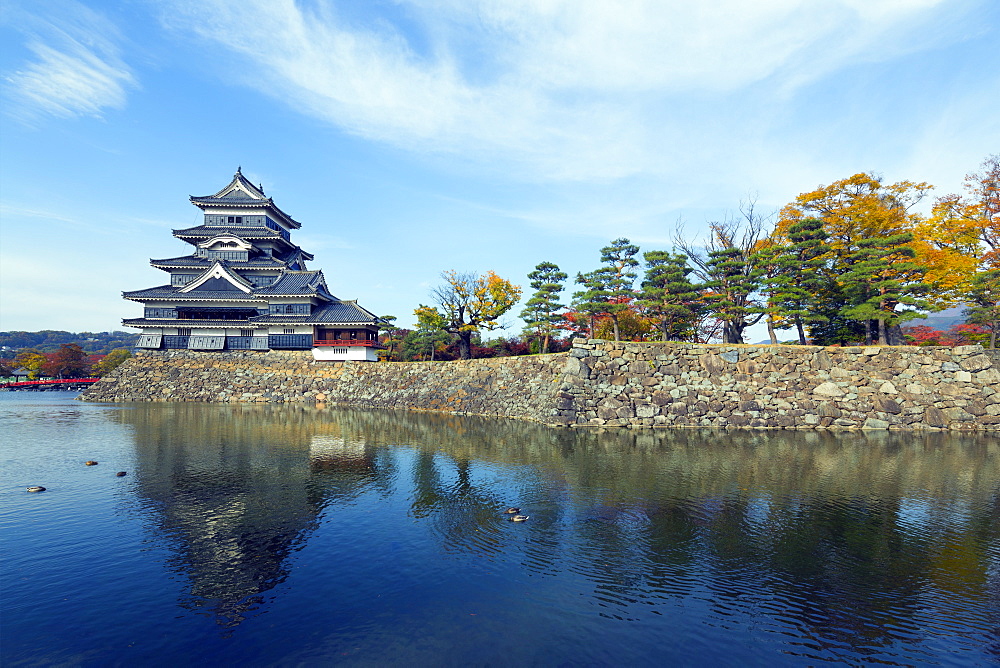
<point x="517" y="387"/>
<point x="874" y="387"/>
<point x="603" y="383"/>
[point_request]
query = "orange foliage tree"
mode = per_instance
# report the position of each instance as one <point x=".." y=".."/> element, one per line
<point x="855" y="212"/>
<point x="470" y="303"/>
<point x="962" y="235"/>
<point x="973" y="220"/>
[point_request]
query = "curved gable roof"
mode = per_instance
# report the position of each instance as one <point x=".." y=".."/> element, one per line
<point x="239" y="188"/>
<point x="218" y="278"/>
<point x="298" y="283"/>
<point x="241" y="193"/>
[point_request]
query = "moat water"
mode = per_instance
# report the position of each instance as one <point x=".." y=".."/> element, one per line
<point x="294" y="535"/>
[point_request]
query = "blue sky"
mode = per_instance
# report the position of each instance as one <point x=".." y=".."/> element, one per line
<point x="414" y="136"/>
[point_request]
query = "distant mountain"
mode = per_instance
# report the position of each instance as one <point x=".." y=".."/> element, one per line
<point x="942" y="320"/>
<point x="49" y="340"/>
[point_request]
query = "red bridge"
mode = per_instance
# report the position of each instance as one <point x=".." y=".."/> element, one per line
<point x="62" y="384"/>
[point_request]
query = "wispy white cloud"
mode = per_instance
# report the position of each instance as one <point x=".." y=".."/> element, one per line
<point x="75" y="69"/>
<point x="554" y="89"/>
<point x="8" y="211"/>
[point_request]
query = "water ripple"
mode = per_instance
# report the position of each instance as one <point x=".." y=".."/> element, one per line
<point x="281" y="535"/>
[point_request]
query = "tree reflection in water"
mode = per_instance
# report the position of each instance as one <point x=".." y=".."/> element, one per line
<point x="850" y="539"/>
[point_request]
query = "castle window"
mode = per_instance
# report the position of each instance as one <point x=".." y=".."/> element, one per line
<point x="289" y="330"/>
<point x="236" y="255"/>
<point x="183" y="331"/>
<point x="246" y="332"/>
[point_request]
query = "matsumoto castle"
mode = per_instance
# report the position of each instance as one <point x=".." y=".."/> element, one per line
<point x="245" y="286"/>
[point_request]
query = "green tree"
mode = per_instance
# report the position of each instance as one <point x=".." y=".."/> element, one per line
<point x="984" y="302"/>
<point x="668" y="296"/>
<point x="732" y="280"/>
<point x="835" y="328"/>
<point x="592" y="300"/>
<point x="430" y="329"/>
<point x="541" y="313"/>
<point x="423" y="344"/>
<point x="608" y="291"/>
<point x="471" y="303"/>
<point x="620" y="265"/>
<point x="393" y="338"/>
<point x="729" y="271"/>
<point x="882" y="276"/>
<point x="795" y="273"/>
<point x="111" y="361"/>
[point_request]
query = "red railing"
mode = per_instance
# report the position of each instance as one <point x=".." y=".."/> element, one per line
<point x="30" y="383"/>
<point x="347" y="343"/>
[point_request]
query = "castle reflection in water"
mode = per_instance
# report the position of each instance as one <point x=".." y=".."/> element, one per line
<point x="236" y="490"/>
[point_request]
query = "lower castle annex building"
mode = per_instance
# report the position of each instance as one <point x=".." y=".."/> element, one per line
<point x="245" y="286"/>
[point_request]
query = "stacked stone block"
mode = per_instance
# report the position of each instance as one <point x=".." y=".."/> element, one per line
<point x="803" y="387"/>
<point x="521" y="387"/>
<point x="604" y="383"/>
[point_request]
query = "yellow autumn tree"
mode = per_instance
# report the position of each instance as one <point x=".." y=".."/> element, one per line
<point x="970" y="223"/>
<point x="469" y="303"/>
<point x="858" y="214"/>
<point x="856" y="208"/>
<point x="32" y="361"/>
<point x="962" y="234"/>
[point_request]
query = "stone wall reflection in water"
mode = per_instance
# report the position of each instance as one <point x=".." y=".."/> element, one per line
<point x="858" y="541"/>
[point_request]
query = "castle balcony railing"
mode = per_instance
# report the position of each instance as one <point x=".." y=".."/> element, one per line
<point x="344" y="343"/>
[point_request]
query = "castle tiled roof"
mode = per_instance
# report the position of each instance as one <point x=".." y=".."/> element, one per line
<point x="289" y="284"/>
<point x="207" y="232"/>
<point x="204" y="263"/>
<point x="173" y="292"/>
<point x="296" y="283"/>
<point x="150" y="322"/>
<point x="335" y="313"/>
<point x="242" y="193"/>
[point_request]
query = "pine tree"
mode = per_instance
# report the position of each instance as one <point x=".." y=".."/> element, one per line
<point x="835" y="328"/>
<point x="608" y="290"/>
<point x="984" y="302"/>
<point x="668" y="295"/>
<point x="882" y="275"/>
<point x="621" y="263"/>
<point x="592" y="300"/>
<point x="796" y="274"/>
<point x="733" y="278"/>
<point x="729" y="272"/>
<point x="541" y="311"/>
